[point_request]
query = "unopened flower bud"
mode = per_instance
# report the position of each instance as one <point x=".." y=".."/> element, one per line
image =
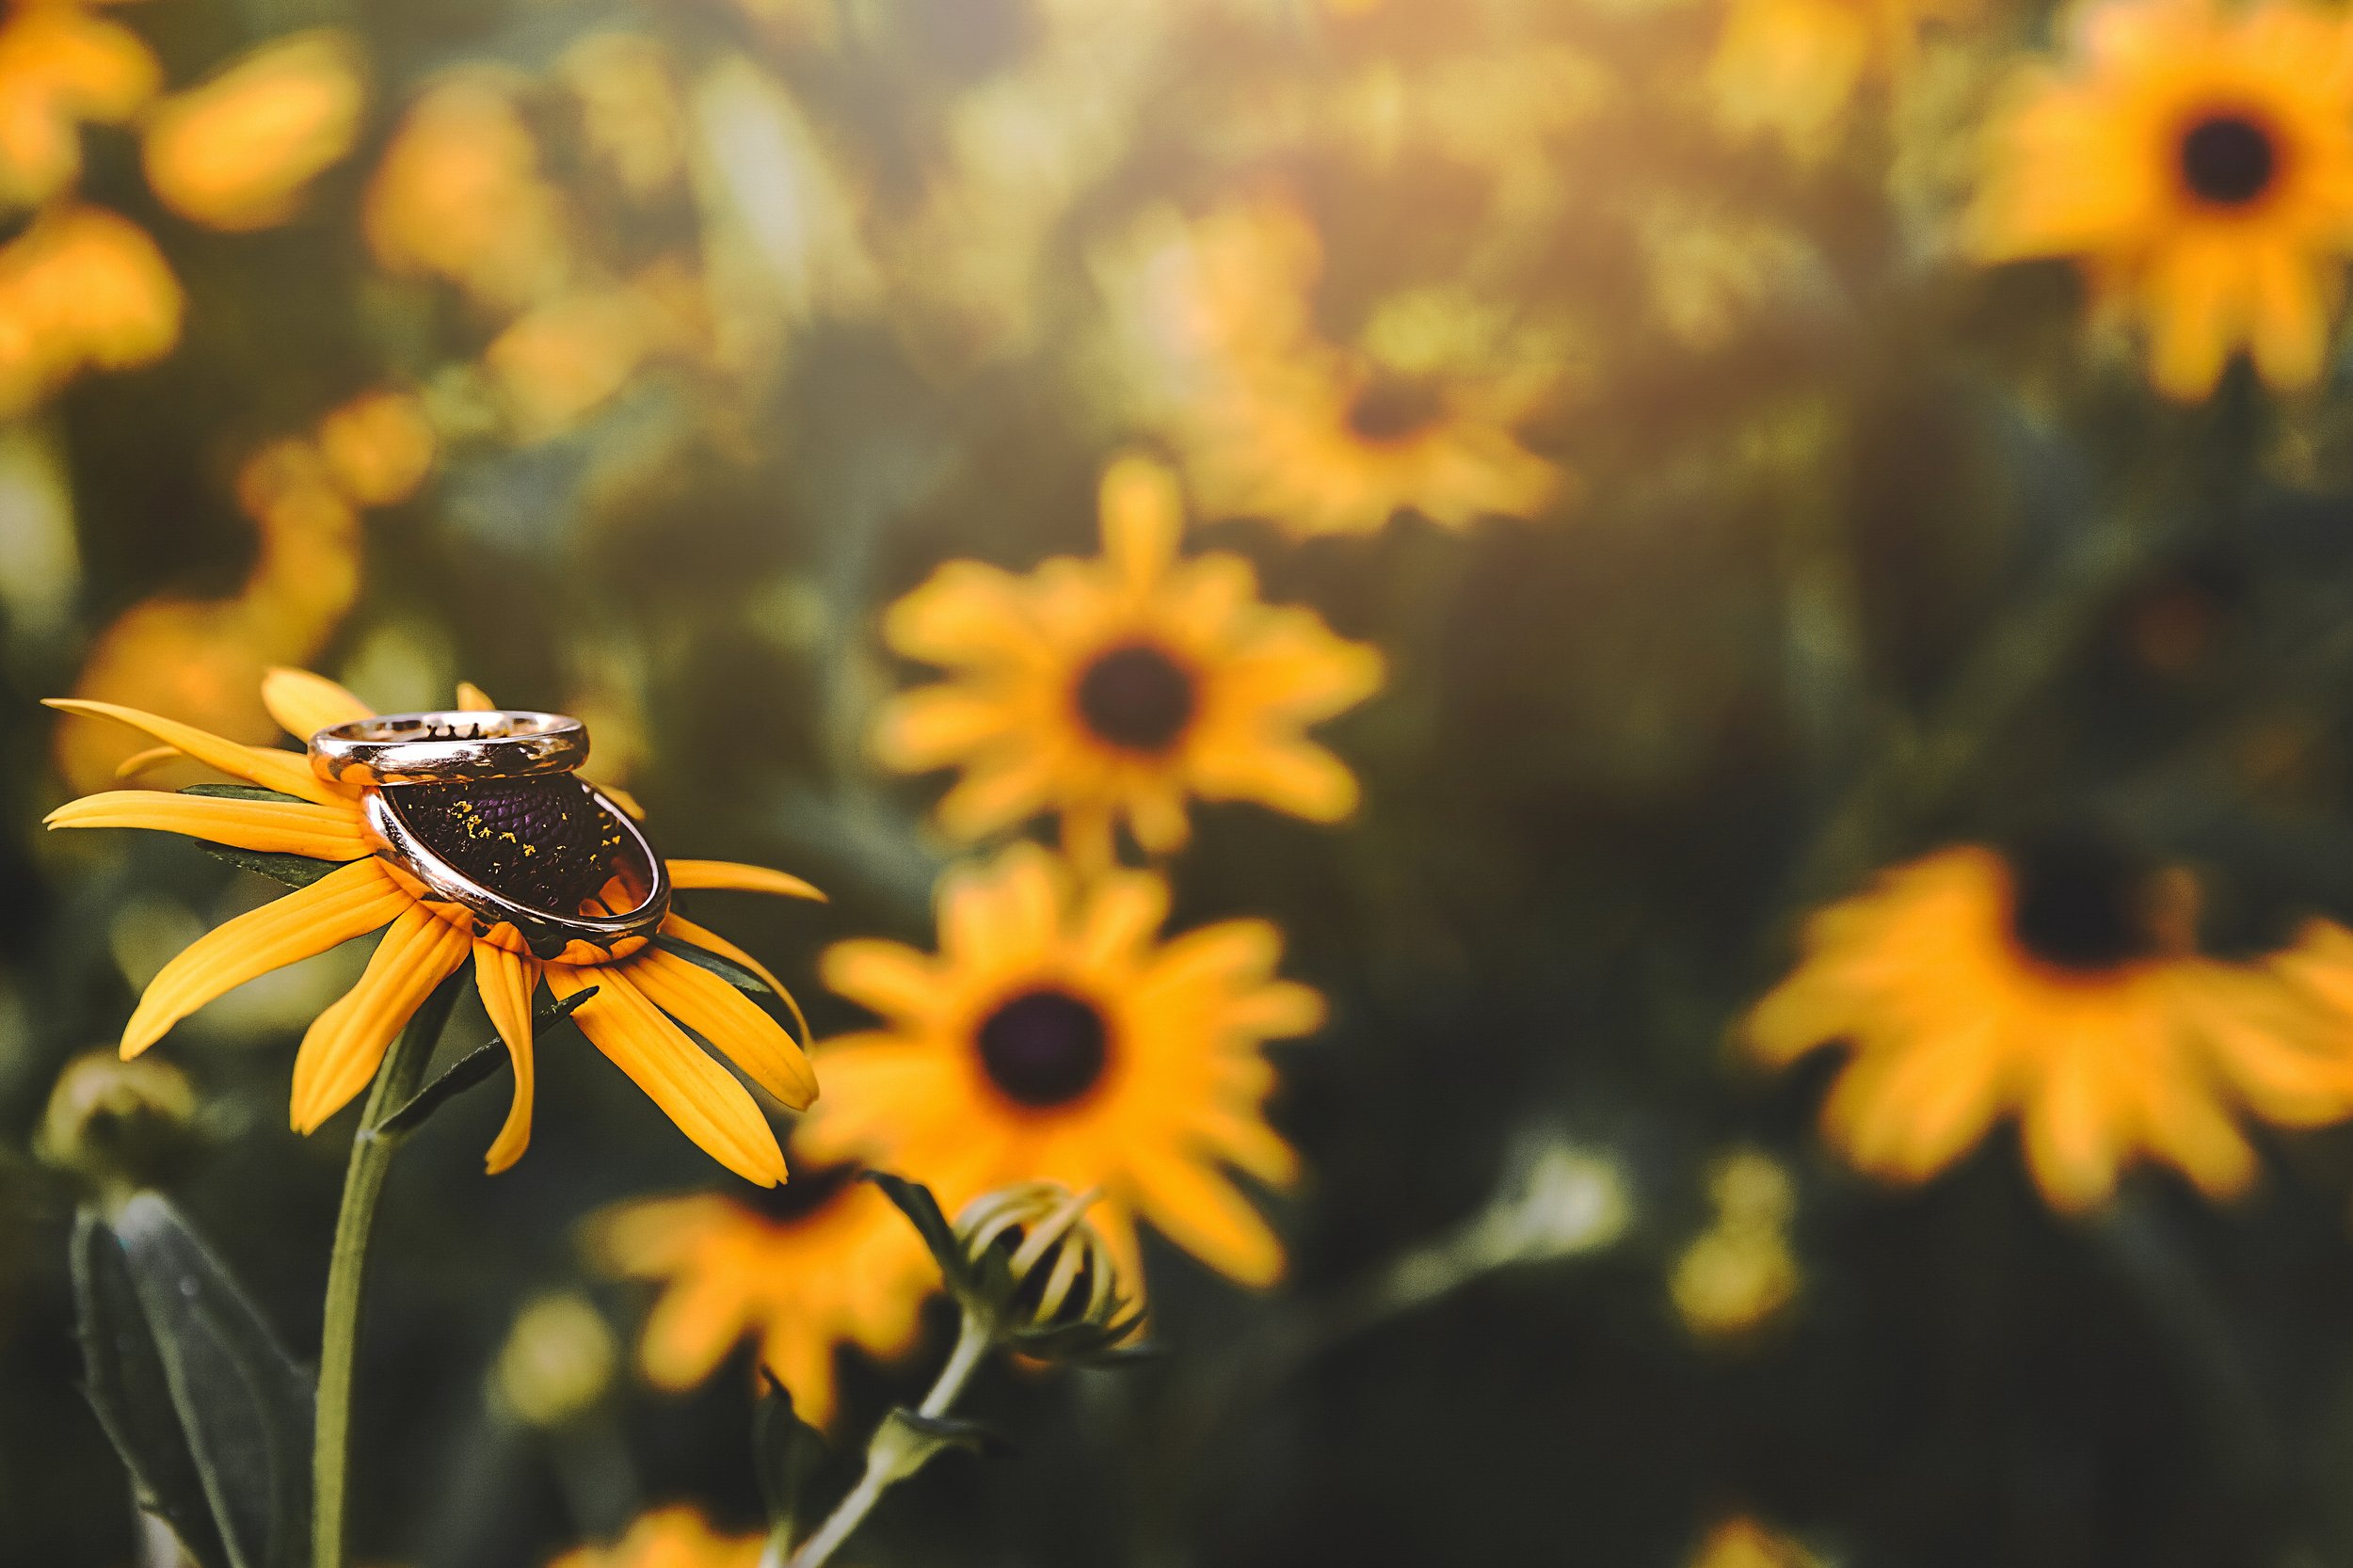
<point x="557" y="1363"/>
<point x="1043" y="1272"/>
<point x="119" y="1124"/>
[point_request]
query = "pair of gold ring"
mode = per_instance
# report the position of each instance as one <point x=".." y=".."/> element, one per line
<point x="488" y="811"/>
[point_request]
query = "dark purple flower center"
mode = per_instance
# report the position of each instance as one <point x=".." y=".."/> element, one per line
<point x="808" y="1193"/>
<point x="1136" y="698"/>
<point x="2081" y="904"/>
<point x="2227" y="160"/>
<point x="1045" y="1048"/>
<point x="1390" y="407"/>
<point x="543" y="841"/>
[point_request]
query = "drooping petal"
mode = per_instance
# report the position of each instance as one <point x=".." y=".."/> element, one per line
<point x="282" y="770"/>
<point x="349" y="902"/>
<point x="730" y="1020"/>
<point x="743" y="879"/>
<point x="346" y="1044"/>
<point x="268" y="826"/>
<point x="506" y="980"/>
<point x="303" y="704"/>
<point x="694" y="1091"/>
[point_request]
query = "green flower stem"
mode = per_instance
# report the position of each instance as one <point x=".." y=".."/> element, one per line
<point x="890" y="1456"/>
<point x="397" y="1083"/>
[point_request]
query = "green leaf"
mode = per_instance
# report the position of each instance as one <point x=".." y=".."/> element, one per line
<point x="128" y="1388"/>
<point x="477" y="1067"/>
<point x="788" y="1452"/>
<point x="240" y="792"/>
<point x="295" y="871"/>
<point x="910" y="1440"/>
<point x="916" y="1202"/>
<point x="726" y="969"/>
<point x="244" y="1407"/>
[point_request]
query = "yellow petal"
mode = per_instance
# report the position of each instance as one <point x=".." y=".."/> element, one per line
<point x="620" y="797"/>
<point x="474" y="700"/>
<point x="730" y="1020"/>
<point x="694" y="1091"/>
<point x="346" y="1044"/>
<point x="1200" y="1211"/>
<point x="349" y="902"/>
<point x="675" y="925"/>
<point x="1142" y="515"/>
<point x="746" y="879"/>
<point x="282" y="770"/>
<point x="303" y="704"/>
<point x="506" y="980"/>
<point x="270" y="826"/>
<point x="139" y="761"/>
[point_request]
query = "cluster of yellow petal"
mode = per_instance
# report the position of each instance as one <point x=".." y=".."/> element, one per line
<point x="2198" y="163"/>
<point x="61" y="68"/>
<point x="1275" y="422"/>
<point x="1953" y="1024"/>
<point x="840" y="1267"/>
<point x="677" y="1536"/>
<point x="236" y="152"/>
<point x="1112" y="689"/>
<point x="1056" y="1037"/>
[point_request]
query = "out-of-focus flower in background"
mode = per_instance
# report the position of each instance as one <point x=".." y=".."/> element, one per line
<point x="639" y="989"/>
<point x="2060" y="984"/>
<point x="1790" y="68"/>
<point x="238" y="151"/>
<point x="679" y="1536"/>
<point x="1743" y="1541"/>
<point x="1739" y="1274"/>
<point x="1056" y="1037"/>
<point x="1114" y="689"/>
<point x="81" y="289"/>
<point x="826" y="1261"/>
<point x="1274" y="420"/>
<point x="2198" y="164"/>
<point x="557" y="1363"/>
<point x="61" y="68"/>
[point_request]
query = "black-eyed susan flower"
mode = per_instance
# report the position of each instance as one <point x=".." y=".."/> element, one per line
<point x="1273" y="421"/>
<point x="677" y="1536"/>
<point x="237" y="151"/>
<point x="1114" y="689"/>
<point x="646" y="997"/>
<point x="2062" y="986"/>
<point x="825" y="1262"/>
<point x="2198" y="164"/>
<point x="1055" y="1037"/>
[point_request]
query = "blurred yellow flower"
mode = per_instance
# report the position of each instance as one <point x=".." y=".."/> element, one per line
<point x="378" y="447"/>
<point x="237" y="151"/>
<point x="630" y="117"/>
<point x="1275" y="421"/>
<point x="674" y="1537"/>
<point x="557" y="1362"/>
<point x="1741" y="1541"/>
<point x="640" y="987"/>
<point x="2058" y="986"/>
<point x="1789" y="68"/>
<point x="562" y="359"/>
<point x="1057" y="1038"/>
<point x="458" y="195"/>
<point x="1114" y="688"/>
<point x="1739" y="1274"/>
<point x="81" y="288"/>
<point x="59" y="68"/>
<point x="2198" y="164"/>
<point x="826" y="1262"/>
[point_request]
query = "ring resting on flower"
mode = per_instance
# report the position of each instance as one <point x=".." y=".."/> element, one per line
<point x="484" y="809"/>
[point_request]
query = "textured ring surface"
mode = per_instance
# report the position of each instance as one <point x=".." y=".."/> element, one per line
<point x="449" y="746"/>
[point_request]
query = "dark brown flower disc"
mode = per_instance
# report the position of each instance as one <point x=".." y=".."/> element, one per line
<point x="544" y="841"/>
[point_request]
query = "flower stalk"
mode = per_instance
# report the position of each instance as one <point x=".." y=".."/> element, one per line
<point x="397" y="1083"/>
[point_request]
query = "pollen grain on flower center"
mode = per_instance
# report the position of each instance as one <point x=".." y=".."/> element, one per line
<point x="2229" y="159"/>
<point x="543" y="841"/>
<point x="2081" y="907"/>
<point x="1044" y="1047"/>
<point x="1137" y="697"/>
